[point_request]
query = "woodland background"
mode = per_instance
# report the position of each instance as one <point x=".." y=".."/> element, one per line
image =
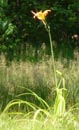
<point x="19" y="31"/>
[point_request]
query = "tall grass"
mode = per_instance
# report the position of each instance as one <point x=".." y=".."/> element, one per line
<point x="37" y="118"/>
<point x="14" y="80"/>
<point x="28" y="109"/>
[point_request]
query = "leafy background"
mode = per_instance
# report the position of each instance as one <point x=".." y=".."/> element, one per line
<point x="18" y="29"/>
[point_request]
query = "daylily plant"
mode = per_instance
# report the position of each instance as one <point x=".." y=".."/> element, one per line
<point x="41" y="15"/>
<point x="59" y="106"/>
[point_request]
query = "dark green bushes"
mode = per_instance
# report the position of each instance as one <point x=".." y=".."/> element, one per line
<point x="17" y="26"/>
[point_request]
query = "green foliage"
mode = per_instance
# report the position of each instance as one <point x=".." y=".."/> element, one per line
<point x="3" y="3"/>
<point x="59" y="106"/>
<point x="17" y="26"/>
<point x="37" y="118"/>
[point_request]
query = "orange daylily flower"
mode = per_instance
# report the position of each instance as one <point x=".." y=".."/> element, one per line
<point x="41" y="15"/>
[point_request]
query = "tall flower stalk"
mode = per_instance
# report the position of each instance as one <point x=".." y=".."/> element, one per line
<point x="59" y="106"/>
<point x="42" y="16"/>
<point x="47" y="27"/>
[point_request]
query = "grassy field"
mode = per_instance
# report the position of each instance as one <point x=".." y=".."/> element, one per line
<point x="45" y="123"/>
<point x="38" y="119"/>
<point x="39" y="77"/>
<point x="15" y="80"/>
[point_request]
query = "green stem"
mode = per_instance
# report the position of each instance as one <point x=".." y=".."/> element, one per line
<point x="52" y="53"/>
